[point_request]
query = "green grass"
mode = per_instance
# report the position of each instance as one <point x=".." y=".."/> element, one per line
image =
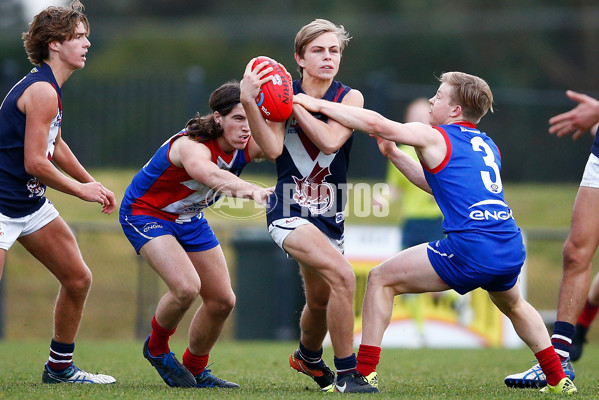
<point x="262" y="370"/>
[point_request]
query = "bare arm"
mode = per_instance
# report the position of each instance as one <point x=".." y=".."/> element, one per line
<point x="411" y="168"/>
<point x="578" y="120"/>
<point x="331" y="135"/>
<point x="196" y="159"/>
<point x="423" y="137"/>
<point x="269" y="136"/>
<point x="68" y="162"/>
<point x="367" y="121"/>
<point x="39" y="102"/>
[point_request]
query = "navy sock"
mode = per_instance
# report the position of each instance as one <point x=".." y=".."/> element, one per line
<point x="311" y="358"/>
<point x="61" y="356"/>
<point x="561" y="339"/>
<point x="346" y="365"/>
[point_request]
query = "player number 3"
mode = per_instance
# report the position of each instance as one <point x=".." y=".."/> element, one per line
<point x="496" y="186"/>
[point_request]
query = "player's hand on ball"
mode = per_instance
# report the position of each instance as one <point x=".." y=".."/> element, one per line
<point x="254" y="78"/>
<point x="274" y="97"/>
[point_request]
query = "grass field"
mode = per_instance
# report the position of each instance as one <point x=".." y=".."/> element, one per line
<point x="262" y="370"/>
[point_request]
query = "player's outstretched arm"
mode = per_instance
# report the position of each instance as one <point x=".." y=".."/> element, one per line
<point x="196" y="159"/>
<point x="578" y="120"/>
<point x="368" y="121"/>
<point x="331" y="135"/>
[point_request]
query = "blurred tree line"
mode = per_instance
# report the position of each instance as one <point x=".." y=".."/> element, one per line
<point x="529" y="51"/>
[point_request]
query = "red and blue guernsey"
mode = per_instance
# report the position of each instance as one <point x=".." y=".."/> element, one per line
<point x="22" y="194"/>
<point x="467" y="186"/>
<point x="163" y="190"/>
<point x="311" y="184"/>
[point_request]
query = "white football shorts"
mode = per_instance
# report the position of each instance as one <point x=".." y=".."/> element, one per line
<point x="13" y="228"/>
<point x="590" y="177"/>
<point x="281" y="228"/>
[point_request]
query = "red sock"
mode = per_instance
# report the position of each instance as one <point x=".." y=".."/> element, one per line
<point x="158" y="343"/>
<point x="589" y="312"/>
<point x="551" y="365"/>
<point x="195" y="364"/>
<point x="368" y="359"/>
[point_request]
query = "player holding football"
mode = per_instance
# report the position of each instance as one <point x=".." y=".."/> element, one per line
<point x="460" y="166"/>
<point x="161" y="215"/>
<point x="306" y="214"/>
<point x="30" y="144"/>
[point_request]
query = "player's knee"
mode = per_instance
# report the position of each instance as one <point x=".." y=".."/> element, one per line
<point x="375" y="277"/>
<point x="317" y="305"/>
<point x="576" y="256"/>
<point x="78" y="282"/>
<point x="222" y="306"/>
<point x="344" y="280"/>
<point x="185" y="295"/>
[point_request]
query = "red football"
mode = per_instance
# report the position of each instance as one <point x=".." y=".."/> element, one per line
<point x="275" y="99"/>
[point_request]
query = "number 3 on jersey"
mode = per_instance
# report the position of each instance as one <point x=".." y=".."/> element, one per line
<point x="478" y="144"/>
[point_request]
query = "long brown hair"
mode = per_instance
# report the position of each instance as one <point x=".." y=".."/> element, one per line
<point x="54" y="24"/>
<point x="222" y="100"/>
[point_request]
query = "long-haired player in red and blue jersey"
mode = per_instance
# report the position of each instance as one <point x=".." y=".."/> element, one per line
<point x="161" y="215"/>
<point x="460" y="166"/>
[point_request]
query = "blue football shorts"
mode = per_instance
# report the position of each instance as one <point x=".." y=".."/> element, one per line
<point x="464" y="276"/>
<point x="195" y="235"/>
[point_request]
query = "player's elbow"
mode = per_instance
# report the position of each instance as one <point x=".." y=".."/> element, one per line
<point x="272" y="150"/>
<point x="33" y="167"/>
<point x="272" y="154"/>
<point x="376" y="123"/>
<point x="329" y="149"/>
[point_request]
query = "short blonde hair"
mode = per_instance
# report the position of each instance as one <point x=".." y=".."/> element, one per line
<point x="472" y="93"/>
<point x="313" y="30"/>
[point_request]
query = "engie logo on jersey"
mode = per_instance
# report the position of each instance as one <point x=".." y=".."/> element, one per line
<point x="482" y="214"/>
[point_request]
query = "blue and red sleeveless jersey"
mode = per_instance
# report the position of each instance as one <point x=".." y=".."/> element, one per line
<point x="163" y="190"/>
<point x="23" y="194"/>
<point x="310" y="183"/>
<point x="468" y="189"/>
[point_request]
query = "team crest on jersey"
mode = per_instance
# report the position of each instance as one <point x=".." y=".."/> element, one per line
<point x="35" y="188"/>
<point x="313" y="192"/>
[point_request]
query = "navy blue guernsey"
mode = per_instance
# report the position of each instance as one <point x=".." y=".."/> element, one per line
<point x="311" y="184"/>
<point x="22" y="194"/>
